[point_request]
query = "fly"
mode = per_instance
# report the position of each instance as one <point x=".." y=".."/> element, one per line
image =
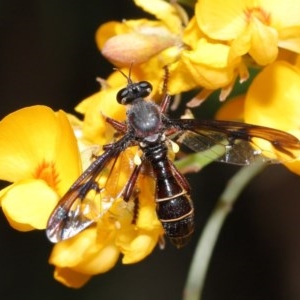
<point x="148" y="127"/>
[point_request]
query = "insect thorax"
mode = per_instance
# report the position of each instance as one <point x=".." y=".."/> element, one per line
<point x="144" y="118"/>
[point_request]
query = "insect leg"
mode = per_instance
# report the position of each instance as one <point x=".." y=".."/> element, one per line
<point x="180" y="178"/>
<point x="136" y="202"/>
<point x="166" y="96"/>
<point x="128" y="190"/>
<point x="119" y="126"/>
<point x="166" y="79"/>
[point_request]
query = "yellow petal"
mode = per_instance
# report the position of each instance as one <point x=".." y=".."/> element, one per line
<point x="69" y="253"/>
<point x="103" y="103"/>
<point x="34" y="138"/>
<point x="139" y="248"/>
<point x="273" y="100"/>
<point x="289" y="38"/>
<point x="147" y="218"/>
<point x="137" y="242"/>
<point x="163" y="11"/>
<point x="264" y="42"/>
<point x="208" y="65"/>
<point x="25" y="140"/>
<point x="84" y="254"/>
<point x="214" y="55"/>
<point x="70" y="278"/>
<point x="108" y="30"/>
<point x="28" y="204"/>
<point x="66" y="154"/>
<point x="283" y="13"/>
<point x="192" y="34"/>
<point x="221" y="20"/>
<point x="241" y="44"/>
<point x="181" y="77"/>
<point x="232" y="109"/>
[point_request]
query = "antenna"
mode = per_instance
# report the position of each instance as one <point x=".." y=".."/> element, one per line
<point x="129" y="73"/>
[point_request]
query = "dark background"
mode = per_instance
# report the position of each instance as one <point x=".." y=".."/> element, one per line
<point x="48" y="56"/>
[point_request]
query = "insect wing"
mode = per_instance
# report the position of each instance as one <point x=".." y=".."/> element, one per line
<point x="89" y="197"/>
<point x="66" y="219"/>
<point x="237" y="143"/>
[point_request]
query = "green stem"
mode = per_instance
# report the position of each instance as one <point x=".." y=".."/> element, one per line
<point x="199" y="266"/>
<point x="196" y="161"/>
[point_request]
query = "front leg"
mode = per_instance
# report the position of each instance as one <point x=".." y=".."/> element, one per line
<point x="119" y="126"/>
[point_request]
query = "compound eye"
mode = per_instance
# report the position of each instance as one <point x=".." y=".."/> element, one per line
<point x="122" y="96"/>
<point x="145" y="88"/>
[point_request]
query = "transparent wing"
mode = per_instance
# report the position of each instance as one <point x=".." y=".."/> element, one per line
<point x="237" y="143"/>
<point x="92" y="194"/>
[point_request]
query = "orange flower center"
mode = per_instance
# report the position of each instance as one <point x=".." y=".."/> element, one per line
<point x="47" y="172"/>
<point x="258" y="13"/>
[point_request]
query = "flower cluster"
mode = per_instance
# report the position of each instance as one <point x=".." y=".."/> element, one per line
<point x="211" y="50"/>
<point x="42" y="152"/>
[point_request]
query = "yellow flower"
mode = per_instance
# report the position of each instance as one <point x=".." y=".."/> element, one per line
<point x="119" y="231"/>
<point x="38" y="153"/>
<point x="273" y="100"/>
<point x="78" y="258"/>
<point x="210" y="52"/>
<point x="193" y="60"/>
<point x="169" y="14"/>
<point x="254" y="27"/>
<point x="221" y="33"/>
<point x="202" y="63"/>
<point x="145" y="45"/>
